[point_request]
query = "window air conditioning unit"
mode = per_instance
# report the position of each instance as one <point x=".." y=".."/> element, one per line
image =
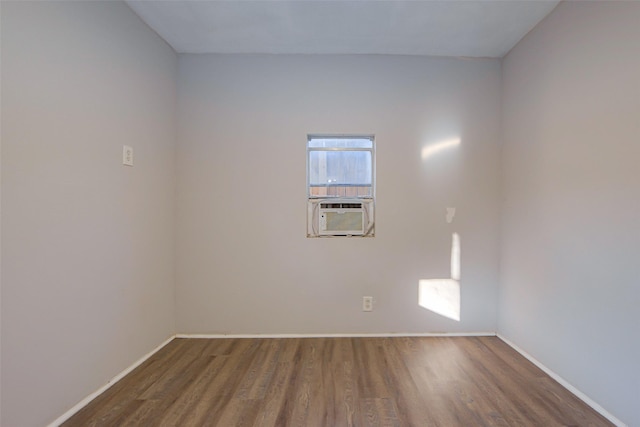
<point x="345" y="218"/>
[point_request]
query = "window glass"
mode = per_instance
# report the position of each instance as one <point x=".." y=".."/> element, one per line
<point x="340" y="142"/>
<point x="331" y="168"/>
<point x="340" y="166"/>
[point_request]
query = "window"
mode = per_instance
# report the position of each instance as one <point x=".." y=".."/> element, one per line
<point x="340" y="166"/>
<point x="340" y="185"/>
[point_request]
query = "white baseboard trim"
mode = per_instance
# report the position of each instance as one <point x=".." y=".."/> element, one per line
<point x="363" y="335"/>
<point x="586" y="399"/>
<point x="84" y="402"/>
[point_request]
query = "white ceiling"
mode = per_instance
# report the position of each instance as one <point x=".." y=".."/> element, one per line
<point x="480" y="28"/>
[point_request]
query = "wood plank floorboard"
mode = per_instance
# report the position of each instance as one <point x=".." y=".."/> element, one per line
<point x="352" y="382"/>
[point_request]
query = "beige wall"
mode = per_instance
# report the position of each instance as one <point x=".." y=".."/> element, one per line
<point x="87" y="244"/>
<point x="244" y="264"/>
<point x="570" y="276"/>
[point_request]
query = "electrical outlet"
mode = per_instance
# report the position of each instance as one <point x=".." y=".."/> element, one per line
<point x="367" y="303"/>
<point x="127" y="155"/>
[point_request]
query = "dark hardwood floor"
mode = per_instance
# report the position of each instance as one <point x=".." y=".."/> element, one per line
<point x="476" y="381"/>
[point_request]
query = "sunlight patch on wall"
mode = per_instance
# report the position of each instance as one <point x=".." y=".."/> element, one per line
<point x="455" y="256"/>
<point x="432" y="149"/>
<point x="442" y="296"/>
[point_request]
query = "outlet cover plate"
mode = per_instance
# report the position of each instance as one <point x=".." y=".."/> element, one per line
<point x="127" y="155"/>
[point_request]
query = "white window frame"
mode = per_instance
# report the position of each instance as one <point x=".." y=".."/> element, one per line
<point x="314" y="201"/>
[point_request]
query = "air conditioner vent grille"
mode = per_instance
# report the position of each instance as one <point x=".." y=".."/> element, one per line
<point x="340" y="205"/>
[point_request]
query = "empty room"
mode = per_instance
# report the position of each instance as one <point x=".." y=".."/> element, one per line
<point x="320" y="213"/>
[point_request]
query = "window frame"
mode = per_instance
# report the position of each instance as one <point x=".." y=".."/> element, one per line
<point x="371" y="150"/>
